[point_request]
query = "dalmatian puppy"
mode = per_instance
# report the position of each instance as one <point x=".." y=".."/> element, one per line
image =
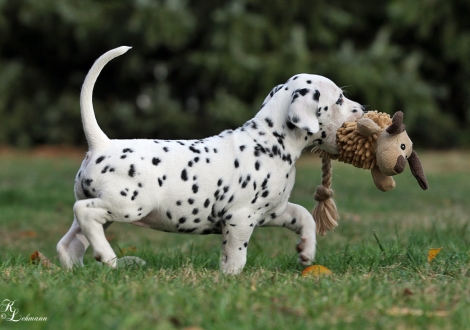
<point x="227" y="184"/>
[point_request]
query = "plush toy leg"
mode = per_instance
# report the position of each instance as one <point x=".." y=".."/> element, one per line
<point x="382" y="182"/>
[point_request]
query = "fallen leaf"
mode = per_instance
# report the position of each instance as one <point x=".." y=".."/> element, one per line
<point x="432" y="253"/>
<point x="316" y="270"/>
<point x="128" y="250"/>
<point x="37" y="258"/>
<point x="28" y="233"/>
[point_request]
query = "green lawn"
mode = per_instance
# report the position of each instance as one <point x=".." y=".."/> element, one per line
<point x="378" y="255"/>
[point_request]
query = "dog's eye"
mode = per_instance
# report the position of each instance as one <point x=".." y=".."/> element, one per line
<point x="403" y="147"/>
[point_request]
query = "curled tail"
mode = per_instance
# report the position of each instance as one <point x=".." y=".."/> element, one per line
<point x="93" y="133"/>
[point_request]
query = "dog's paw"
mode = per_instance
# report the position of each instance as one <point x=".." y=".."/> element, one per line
<point x="130" y="261"/>
<point x="306" y="250"/>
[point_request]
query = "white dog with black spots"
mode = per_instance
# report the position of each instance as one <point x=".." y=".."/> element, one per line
<point x="227" y="184"/>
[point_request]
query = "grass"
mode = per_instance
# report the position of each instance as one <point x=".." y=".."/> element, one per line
<point x="378" y="255"/>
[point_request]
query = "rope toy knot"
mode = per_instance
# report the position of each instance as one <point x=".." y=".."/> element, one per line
<point x="322" y="193"/>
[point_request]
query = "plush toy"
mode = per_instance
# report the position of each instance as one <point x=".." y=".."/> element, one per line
<point x="374" y="142"/>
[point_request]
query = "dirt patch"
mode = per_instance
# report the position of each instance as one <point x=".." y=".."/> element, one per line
<point x="45" y="151"/>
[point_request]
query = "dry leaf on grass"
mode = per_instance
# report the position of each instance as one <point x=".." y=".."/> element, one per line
<point x="432" y="253"/>
<point x="27" y="233"/>
<point x="404" y="311"/>
<point x="37" y="258"/>
<point x="316" y="270"/>
<point x="128" y="250"/>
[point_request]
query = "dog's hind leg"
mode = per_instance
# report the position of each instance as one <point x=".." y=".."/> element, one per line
<point x="92" y="217"/>
<point x="299" y="220"/>
<point x="72" y="247"/>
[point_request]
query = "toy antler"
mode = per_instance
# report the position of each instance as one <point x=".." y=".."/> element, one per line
<point x="397" y="126"/>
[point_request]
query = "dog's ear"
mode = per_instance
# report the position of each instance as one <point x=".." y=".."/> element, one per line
<point x="303" y="108"/>
<point x="271" y="94"/>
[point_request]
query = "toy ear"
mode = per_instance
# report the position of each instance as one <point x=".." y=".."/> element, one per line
<point x="367" y="127"/>
<point x="302" y="110"/>
<point x="397" y="124"/>
<point x="417" y="170"/>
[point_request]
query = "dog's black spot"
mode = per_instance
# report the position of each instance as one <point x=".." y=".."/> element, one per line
<point x="195" y="188"/>
<point x="182" y="220"/>
<point x="290" y="125"/>
<point x="325" y="108"/>
<point x="269" y="122"/>
<point x="165" y="149"/>
<point x="160" y="182"/>
<point x="226" y="188"/>
<point x="340" y="100"/>
<point x="178" y="203"/>
<point x="309" y="81"/>
<point x="219" y="183"/>
<point x="303" y="91"/>
<point x="254" y="185"/>
<point x="206" y="149"/>
<point x="131" y="171"/>
<point x="295" y="77"/>
<point x="134" y="194"/>
<point x="323" y="134"/>
<point x="168" y="214"/>
<point x="126" y="216"/>
<point x="87" y="182"/>
<point x="215" y="150"/>
<point x="316" y="95"/>
<point x="265" y="193"/>
<point x="197" y="220"/>
<point x="127" y="150"/>
<point x="184" y="175"/>
<point x="194" y="178"/>
<point x="194" y="150"/>
<point x="195" y="211"/>
<point x="257" y="165"/>
<point x="206" y="203"/>
<point x="190" y="201"/>
<point x="105" y="169"/>
<point x="123" y="156"/>
<point x="242" y="148"/>
<point x="293" y="221"/>
<point x="206" y="232"/>
<point x="156" y="161"/>
<point x="196" y="159"/>
<point x="295" y="119"/>
<point x="181" y="143"/>
<point x="123" y="193"/>
<point x="236" y="163"/>
<point x="254" y="199"/>
<point x="190" y="163"/>
<point x="208" y="160"/>
<point x="261" y="222"/>
<point x="231" y="199"/>
<point x="100" y="159"/>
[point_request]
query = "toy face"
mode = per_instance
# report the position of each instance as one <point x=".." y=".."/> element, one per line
<point x="392" y="152"/>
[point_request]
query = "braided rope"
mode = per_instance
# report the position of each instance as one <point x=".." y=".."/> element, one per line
<point x="325" y="212"/>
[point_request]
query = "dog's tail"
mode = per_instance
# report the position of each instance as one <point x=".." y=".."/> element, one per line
<point x="93" y="133"/>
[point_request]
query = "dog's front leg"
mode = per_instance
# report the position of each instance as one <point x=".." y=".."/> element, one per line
<point x="299" y="220"/>
<point x="236" y="233"/>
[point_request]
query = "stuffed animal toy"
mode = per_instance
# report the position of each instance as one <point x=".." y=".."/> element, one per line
<point x="376" y="142"/>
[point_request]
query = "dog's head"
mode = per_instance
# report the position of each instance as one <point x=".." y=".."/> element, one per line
<point x="316" y="106"/>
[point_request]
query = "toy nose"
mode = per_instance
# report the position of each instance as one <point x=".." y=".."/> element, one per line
<point x="400" y="164"/>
